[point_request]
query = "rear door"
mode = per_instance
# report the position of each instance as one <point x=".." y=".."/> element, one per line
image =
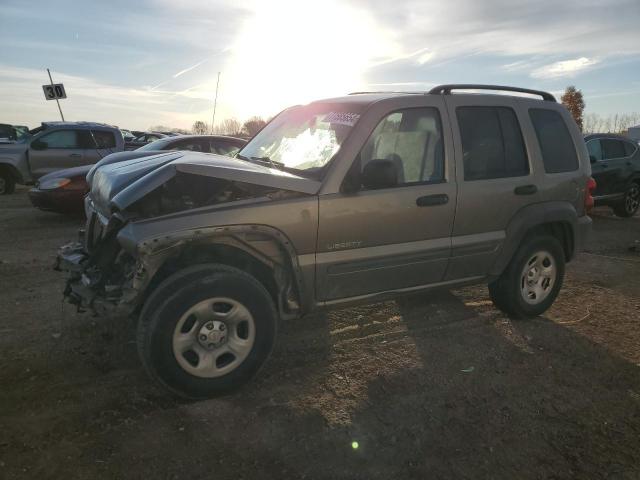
<point x="64" y="148"/>
<point x="101" y="144"/>
<point x="494" y="177"/>
<point x="377" y="240"/>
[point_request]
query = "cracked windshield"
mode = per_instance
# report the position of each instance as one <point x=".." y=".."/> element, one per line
<point x="302" y="138"/>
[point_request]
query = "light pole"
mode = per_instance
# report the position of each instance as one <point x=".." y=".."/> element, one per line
<point x="215" y="103"/>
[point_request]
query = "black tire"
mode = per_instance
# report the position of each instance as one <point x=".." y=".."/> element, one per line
<point x="506" y="292"/>
<point x="630" y="203"/>
<point x="7" y="183"/>
<point x="167" y="305"/>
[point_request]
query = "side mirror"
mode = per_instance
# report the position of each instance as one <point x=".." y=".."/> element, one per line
<point x="380" y="174"/>
<point x="39" y="145"/>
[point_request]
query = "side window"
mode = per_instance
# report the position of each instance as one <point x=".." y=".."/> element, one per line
<point x="104" y="139"/>
<point x="629" y="148"/>
<point x="223" y="148"/>
<point x="193" y="146"/>
<point x="612" y="149"/>
<point x="412" y="140"/>
<point x="492" y="144"/>
<point x="595" y="150"/>
<point x="558" y="151"/>
<point x="62" y="139"/>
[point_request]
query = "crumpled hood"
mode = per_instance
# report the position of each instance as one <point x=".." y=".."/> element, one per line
<point x="120" y="157"/>
<point x="121" y="184"/>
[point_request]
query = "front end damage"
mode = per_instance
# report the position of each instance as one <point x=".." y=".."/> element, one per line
<point x="143" y="233"/>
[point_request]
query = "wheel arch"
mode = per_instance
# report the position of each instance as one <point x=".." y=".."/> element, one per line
<point x="263" y="252"/>
<point x="12" y="170"/>
<point x="558" y="219"/>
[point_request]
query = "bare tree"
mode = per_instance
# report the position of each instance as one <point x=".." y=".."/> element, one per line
<point x="253" y="126"/>
<point x="573" y="100"/>
<point x="229" y="126"/>
<point x="199" y="127"/>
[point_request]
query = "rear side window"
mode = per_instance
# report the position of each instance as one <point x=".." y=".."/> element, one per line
<point x="492" y="144"/>
<point x="104" y="139"/>
<point x="558" y="151"/>
<point x="612" y="149"/>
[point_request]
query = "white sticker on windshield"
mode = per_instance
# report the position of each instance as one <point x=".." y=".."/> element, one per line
<point x="342" y="118"/>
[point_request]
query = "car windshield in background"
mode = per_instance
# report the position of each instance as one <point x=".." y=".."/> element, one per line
<point x="160" y="144"/>
<point x="303" y="138"/>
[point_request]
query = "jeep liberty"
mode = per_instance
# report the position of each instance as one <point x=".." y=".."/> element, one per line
<point x="342" y="201"/>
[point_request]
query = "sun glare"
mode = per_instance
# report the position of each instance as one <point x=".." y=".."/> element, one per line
<point x="292" y="52"/>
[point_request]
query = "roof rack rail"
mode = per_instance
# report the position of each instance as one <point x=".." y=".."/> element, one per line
<point x="387" y="91"/>
<point x="446" y="90"/>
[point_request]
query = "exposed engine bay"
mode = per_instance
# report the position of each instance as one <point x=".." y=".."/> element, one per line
<point x="186" y="191"/>
<point x="105" y="276"/>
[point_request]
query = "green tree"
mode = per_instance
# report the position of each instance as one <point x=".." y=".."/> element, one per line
<point x="572" y="99"/>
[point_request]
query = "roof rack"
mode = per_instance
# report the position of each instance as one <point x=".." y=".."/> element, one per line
<point x="446" y="90"/>
<point x="387" y="91"/>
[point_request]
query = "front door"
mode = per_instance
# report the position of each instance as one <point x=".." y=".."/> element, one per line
<point x="397" y="236"/>
<point x="55" y="151"/>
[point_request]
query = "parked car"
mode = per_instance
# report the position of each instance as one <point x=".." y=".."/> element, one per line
<point x="615" y="166"/>
<point x="342" y="201"/>
<point x="63" y="191"/>
<point x="143" y="140"/>
<point x="55" y="146"/>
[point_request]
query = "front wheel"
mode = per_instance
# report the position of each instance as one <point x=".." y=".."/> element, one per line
<point x="7" y="183"/>
<point x="206" y="331"/>
<point x="630" y="203"/>
<point x="532" y="280"/>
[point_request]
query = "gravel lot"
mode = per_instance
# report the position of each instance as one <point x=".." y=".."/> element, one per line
<point x="443" y="387"/>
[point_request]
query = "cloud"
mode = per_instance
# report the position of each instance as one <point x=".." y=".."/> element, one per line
<point x="565" y="68"/>
<point x="188" y="69"/>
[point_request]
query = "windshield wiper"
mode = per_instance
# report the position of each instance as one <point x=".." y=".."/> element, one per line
<point x="273" y="163"/>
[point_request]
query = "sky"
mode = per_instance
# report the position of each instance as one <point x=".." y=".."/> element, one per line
<point x="156" y="62"/>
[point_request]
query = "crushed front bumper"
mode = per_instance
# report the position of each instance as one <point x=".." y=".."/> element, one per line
<point x="90" y="264"/>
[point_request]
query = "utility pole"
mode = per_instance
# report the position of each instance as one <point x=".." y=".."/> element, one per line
<point x="58" y="101"/>
<point x="215" y="103"/>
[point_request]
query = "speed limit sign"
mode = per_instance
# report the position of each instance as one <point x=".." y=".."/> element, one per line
<point x="54" y="91"/>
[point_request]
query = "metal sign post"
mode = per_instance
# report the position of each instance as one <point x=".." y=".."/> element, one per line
<point x="215" y="103"/>
<point x="57" y="101"/>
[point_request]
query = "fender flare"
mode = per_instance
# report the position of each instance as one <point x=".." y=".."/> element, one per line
<point x="533" y="216"/>
<point x="153" y="252"/>
<point x="12" y="170"/>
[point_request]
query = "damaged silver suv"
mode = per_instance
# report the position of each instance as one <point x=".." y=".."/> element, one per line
<point x="345" y="200"/>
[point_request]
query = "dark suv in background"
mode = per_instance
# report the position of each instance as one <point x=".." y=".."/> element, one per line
<point x="615" y="166"/>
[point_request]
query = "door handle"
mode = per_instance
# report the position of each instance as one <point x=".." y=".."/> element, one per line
<point x="432" y="200"/>
<point x="525" y="190"/>
<point x="75" y="155"/>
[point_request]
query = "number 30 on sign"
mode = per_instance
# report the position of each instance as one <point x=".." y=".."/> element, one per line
<point x="54" y="92"/>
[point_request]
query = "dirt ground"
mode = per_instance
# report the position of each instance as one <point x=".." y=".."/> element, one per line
<point x="444" y="387"/>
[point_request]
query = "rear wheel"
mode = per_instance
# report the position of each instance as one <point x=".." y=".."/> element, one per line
<point x="630" y="203"/>
<point x="7" y="183"/>
<point x="532" y="280"/>
<point x="206" y="331"/>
